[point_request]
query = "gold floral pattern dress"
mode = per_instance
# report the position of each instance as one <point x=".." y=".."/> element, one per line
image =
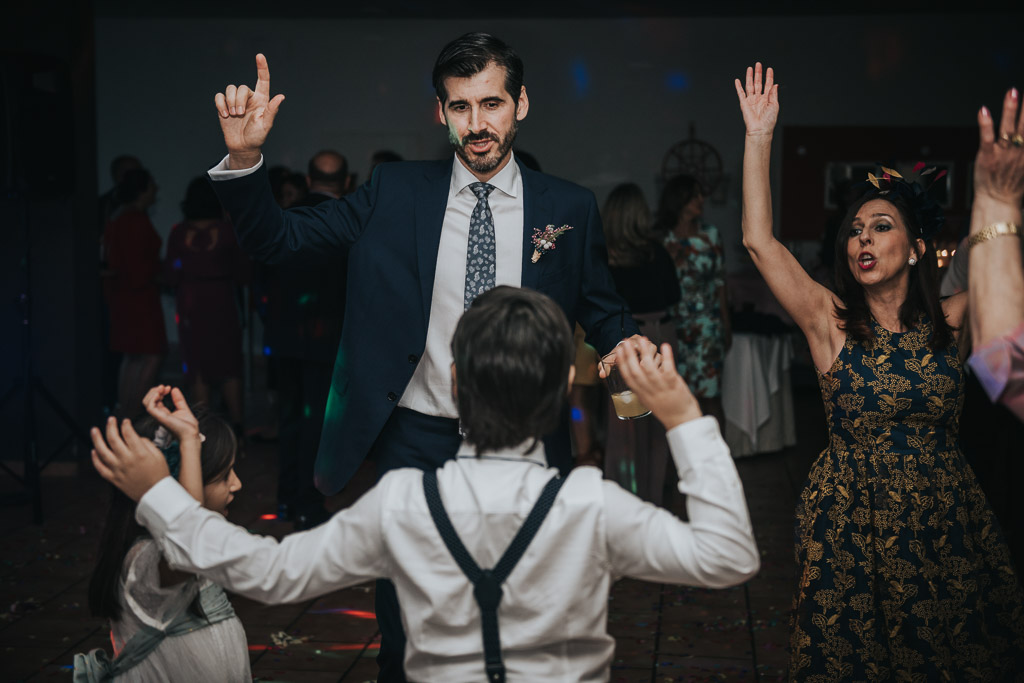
<point x="904" y="574"/>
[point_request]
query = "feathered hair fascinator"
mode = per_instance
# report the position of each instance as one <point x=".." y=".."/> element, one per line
<point x="927" y="212"/>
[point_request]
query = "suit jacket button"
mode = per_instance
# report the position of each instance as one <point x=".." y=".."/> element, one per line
<point x="392" y="396"/>
<point x="412" y="358"/>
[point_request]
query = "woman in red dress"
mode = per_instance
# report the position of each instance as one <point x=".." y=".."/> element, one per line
<point x="205" y="265"/>
<point x="131" y="282"/>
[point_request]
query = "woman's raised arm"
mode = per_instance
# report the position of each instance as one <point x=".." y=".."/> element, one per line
<point x="807" y="302"/>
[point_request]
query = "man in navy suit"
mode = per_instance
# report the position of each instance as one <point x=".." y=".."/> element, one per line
<point x="423" y="238"/>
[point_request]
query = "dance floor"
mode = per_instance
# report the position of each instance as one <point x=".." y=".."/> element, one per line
<point x="663" y="633"/>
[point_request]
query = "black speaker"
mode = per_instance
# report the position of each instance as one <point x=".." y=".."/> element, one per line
<point x="36" y="126"/>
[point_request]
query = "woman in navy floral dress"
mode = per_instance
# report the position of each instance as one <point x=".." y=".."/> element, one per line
<point x="903" y="571"/>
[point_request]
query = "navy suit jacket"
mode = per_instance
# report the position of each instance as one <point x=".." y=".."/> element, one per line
<point x="391" y="227"/>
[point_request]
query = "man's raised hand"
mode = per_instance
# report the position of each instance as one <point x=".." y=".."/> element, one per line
<point x="246" y="117"/>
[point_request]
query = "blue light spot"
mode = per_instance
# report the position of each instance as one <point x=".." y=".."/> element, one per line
<point x="580" y="78"/>
<point x="677" y="81"/>
<point x="577" y="414"/>
<point x="266" y="350"/>
<point x="177" y="264"/>
<point x="184" y="368"/>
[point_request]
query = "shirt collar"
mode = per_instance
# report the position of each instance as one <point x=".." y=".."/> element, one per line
<point x="520" y="453"/>
<point x="505" y="180"/>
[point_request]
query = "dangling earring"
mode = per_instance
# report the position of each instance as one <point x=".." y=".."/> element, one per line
<point x="912" y="261"/>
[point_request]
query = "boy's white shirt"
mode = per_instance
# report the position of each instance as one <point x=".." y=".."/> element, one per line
<point x="553" y="613"/>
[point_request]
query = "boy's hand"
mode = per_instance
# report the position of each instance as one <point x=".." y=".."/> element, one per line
<point x="132" y="463"/>
<point x="656" y="383"/>
<point x="181" y="422"/>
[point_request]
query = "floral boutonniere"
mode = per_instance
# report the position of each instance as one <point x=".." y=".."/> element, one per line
<point x="543" y="240"/>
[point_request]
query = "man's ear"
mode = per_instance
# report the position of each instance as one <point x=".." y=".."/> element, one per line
<point x="522" y="104"/>
<point x="440" y="112"/>
<point x="572" y="376"/>
<point x="455" y="393"/>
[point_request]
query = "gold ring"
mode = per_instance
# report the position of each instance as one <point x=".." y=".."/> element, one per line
<point x="1004" y="140"/>
<point x="1017" y="140"/>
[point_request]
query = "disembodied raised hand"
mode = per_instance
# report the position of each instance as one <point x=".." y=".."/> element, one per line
<point x="656" y="382"/>
<point x="999" y="165"/>
<point x="125" y="459"/>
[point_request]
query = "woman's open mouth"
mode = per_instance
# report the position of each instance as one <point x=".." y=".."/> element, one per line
<point x="866" y="261"/>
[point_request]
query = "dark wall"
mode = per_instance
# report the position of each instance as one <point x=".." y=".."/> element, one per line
<point x="48" y="241"/>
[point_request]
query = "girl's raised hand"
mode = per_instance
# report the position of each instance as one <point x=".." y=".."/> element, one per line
<point x="180" y="422"/>
<point x="759" y="103"/>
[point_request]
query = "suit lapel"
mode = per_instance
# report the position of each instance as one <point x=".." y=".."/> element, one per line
<point x="431" y="202"/>
<point x="537" y="213"/>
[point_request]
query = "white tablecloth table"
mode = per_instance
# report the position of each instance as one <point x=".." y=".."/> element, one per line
<point x="757" y="396"/>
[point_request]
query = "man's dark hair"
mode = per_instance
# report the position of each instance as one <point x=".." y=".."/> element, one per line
<point x="512" y="350"/>
<point x="470" y="54"/>
<point x="318" y="175"/>
<point x="200" y="200"/>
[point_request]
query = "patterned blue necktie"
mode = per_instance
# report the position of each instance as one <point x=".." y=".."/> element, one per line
<point x="480" y="255"/>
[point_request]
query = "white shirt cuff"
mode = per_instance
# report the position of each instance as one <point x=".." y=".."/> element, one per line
<point x="222" y="172"/>
<point x="163" y="504"/>
<point x="693" y="443"/>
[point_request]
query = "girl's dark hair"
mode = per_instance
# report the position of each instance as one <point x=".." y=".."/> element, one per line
<point x="512" y="351"/>
<point x="200" y="200"/>
<point x="470" y="54"/>
<point x="132" y="185"/>
<point x="922" y="295"/>
<point x="677" y="193"/>
<point x="121" y="531"/>
<point x="627" y="226"/>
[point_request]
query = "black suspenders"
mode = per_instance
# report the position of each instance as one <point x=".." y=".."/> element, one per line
<point x="487" y="582"/>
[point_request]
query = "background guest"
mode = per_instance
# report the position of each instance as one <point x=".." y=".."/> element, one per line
<point x="307" y="308"/>
<point x="132" y="249"/>
<point x="205" y="265"/>
<point x="636" y="454"/>
<point x="702" y="314"/>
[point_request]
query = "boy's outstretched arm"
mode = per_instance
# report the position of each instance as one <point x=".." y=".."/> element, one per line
<point x="716" y="547"/>
<point x="346" y="550"/>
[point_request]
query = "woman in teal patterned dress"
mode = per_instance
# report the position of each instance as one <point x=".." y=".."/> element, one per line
<point x="701" y="316"/>
<point x="903" y="571"/>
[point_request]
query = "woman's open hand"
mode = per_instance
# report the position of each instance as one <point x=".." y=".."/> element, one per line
<point x="759" y="102"/>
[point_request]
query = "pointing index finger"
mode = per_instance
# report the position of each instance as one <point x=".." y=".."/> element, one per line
<point x="262" y="76"/>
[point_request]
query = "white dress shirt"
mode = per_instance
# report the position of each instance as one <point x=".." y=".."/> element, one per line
<point x="430" y="389"/>
<point x="554" y="610"/>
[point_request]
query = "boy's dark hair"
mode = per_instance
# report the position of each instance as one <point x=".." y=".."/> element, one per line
<point x="922" y="295"/>
<point x="120" y="531"/>
<point x="470" y="54"/>
<point x="200" y="200"/>
<point x="512" y="350"/>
